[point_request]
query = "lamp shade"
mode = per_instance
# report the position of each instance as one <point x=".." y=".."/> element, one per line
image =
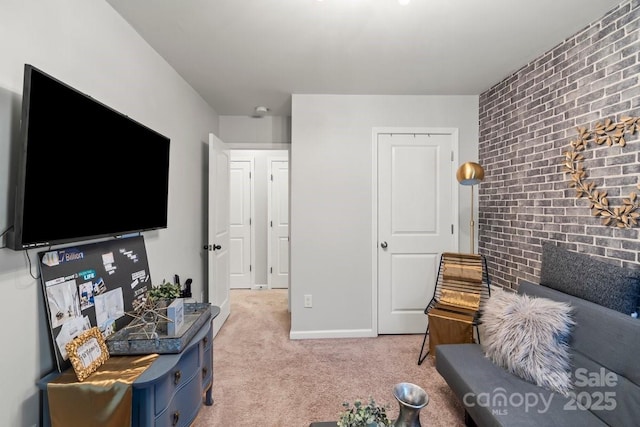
<point x="470" y="173"/>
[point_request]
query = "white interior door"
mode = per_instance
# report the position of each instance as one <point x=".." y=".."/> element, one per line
<point x="218" y="244"/>
<point x="241" y="172"/>
<point x="278" y="251"/>
<point x="417" y="208"/>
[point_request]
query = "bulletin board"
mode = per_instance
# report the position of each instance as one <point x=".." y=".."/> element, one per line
<point x="92" y="285"/>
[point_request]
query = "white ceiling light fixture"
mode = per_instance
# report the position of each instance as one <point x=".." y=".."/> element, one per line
<point x="400" y="2"/>
<point x="260" y="111"/>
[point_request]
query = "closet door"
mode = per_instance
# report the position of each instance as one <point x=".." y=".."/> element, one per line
<point x="416" y="210"/>
<point x="278" y="251"/>
<point x="241" y="223"/>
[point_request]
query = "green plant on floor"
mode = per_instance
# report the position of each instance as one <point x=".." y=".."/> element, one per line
<point x="361" y="415"/>
<point x="165" y="290"/>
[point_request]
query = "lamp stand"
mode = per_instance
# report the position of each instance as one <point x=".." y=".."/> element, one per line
<point x="470" y="173"/>
<point x="472" y="225"/>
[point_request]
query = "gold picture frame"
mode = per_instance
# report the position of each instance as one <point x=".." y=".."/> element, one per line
<point x="87" y="352"/>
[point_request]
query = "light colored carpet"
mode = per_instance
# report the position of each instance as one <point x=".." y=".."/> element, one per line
<point x="262" y="378"/>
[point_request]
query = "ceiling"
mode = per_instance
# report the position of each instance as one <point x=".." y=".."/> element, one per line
<point x="239" y="54"/>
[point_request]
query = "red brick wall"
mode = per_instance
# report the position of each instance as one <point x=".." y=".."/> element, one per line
<point x="526" y="124"/>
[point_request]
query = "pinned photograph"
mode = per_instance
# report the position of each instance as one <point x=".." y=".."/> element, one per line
<point x="109" y="306"/>
<point x="69" y="331"/>
<point x="51" y="259"/>
<point x="108" y="262"/>
<point x="99" y="287"/>
<point x="64" y="304"/>
<point x="86" y="295"/>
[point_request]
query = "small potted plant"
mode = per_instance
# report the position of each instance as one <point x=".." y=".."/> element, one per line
<point x="361" y="415"/>
<point x="165" y="291"/>
<point x="161" y="296"/>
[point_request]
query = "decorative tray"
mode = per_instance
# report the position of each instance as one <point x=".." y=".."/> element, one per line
<point x="136" y="341"/>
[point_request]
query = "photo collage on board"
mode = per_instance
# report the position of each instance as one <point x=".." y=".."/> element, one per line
<point x="99" y="284"/>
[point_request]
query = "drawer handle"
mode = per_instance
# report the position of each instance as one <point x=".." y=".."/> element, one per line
<point x="176" y="377"/>
<point x="204" y="372"/>
<point x="176" y="418"/>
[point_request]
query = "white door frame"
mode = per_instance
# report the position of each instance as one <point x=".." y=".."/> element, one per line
<point x="270" y="159"/>
<point x="251" y="159"/>
<point x="374" y="196"/>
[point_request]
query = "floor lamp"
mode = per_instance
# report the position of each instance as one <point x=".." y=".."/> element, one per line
<point x="470" y="173"/>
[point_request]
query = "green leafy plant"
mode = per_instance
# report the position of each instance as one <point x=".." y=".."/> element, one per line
<point x="165" y="290"/>
<point x="361" y="415"/>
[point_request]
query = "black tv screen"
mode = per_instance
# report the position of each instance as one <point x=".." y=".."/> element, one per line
<point x="86" y="171"/>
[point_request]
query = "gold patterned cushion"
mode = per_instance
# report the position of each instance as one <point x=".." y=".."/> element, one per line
<point x="462" y="272"/>
<point x="467" y="300"/>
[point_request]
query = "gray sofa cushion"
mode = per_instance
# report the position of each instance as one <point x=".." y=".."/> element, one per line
<point x="577" y="274"/>
<point x="609" y="338"/>
<point x="610" y="396"/>
<point x="604" y="349"/>
<point x="604" y="343"/>
<point x="494" y="397"/>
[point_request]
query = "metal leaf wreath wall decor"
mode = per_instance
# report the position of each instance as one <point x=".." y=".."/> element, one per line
<point x="625" y="216"/>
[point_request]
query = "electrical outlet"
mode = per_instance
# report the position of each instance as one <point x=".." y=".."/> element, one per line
<point x="308" y="302"/>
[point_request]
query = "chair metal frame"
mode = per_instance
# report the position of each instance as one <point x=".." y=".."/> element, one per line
<point x="483" y="288"/>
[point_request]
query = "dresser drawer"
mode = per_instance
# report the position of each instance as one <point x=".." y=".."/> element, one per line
<point x="183" y="408"/>
<point x="183" y="372"/>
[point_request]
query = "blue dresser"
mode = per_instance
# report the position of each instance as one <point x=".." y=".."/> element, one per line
<point x="172" y="390"/>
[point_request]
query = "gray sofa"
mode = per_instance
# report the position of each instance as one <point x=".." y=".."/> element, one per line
<point x="605" y="356"/>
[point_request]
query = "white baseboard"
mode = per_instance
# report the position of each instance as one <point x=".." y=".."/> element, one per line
<point x="337" y="333"/>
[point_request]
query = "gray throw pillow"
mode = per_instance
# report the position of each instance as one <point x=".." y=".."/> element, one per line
<point x="582" y="276"/>
<point x="529" y="338"/>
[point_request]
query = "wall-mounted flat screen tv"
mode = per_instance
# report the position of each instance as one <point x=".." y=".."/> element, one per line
<point x="85" y="170"/>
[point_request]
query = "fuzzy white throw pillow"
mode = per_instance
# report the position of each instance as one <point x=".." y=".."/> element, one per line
<point x="529" y="337"/>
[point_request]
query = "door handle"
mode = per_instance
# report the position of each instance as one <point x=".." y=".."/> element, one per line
<point x="216" y="247"/>
<point x="383" y="245"/>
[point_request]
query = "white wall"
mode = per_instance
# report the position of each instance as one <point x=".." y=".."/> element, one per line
<point x="259" y="131"/>
<point x="331" y="199"/>
<point x="86" y="44"/>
